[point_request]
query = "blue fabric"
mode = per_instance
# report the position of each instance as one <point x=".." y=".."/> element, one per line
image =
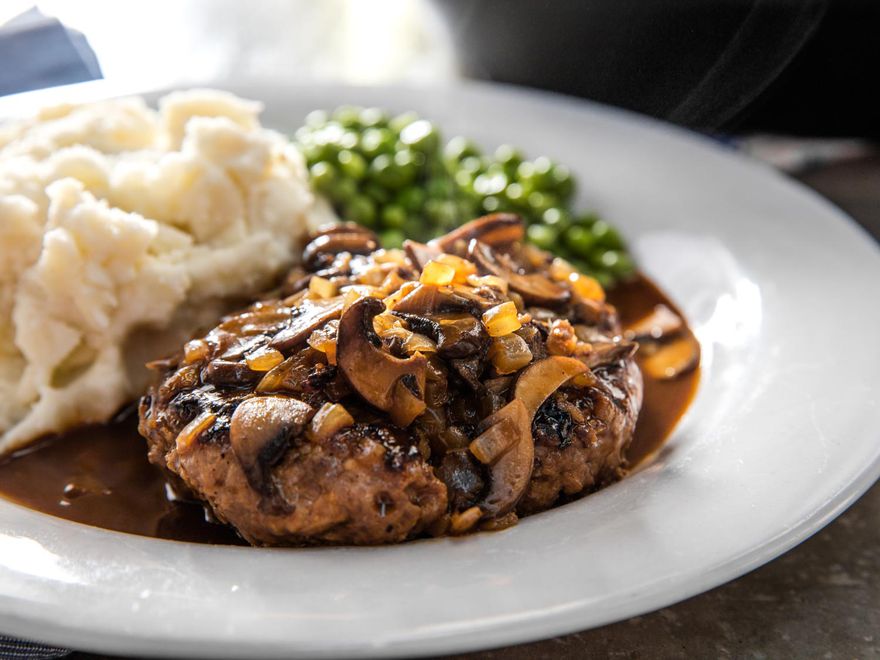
<point x="37" y="51"/>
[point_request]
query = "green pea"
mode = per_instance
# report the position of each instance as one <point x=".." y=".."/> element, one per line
<point x="303" y="134"/>
<point x="392" y="238"/>
<point x="464" y="180"/>
<point x="471" y="164"/>
<point x="540" y="202"/>
<point x="439" y="188"/>
<point x="563" y="183"/>
<point x="412" y="199"/>
<point x="509" y="157"/>
<point x="385" y="173"/>
<point x="542" y="168"/>
<point x="556" y="217"/>
<point x="581" y="265"/>
<point x="543" y="236"/>
<point x="398" y="123"/>
<point x="586" y="220"/>
<point x="416" y="227"/>
<point x="347" y="115"/>
<point x="459" y="148"/>
<point x="420" y="135"/>
<point x="343" y="190"/>
<point x="316" y="118"/>
<point x="409" y="162"/>
<point x="394" y="216"/>
<point x="373" y="117"/>
<point x="361" y="209"/>
<point x="377" y="193"/>
<point x="323" y="175"/>
<point x="580" y="240"/>
<point x="352" y="164"/>
<point x="624" y="267"/>
<point x="375" y="141"/>
<point x="490" y="184"/>
<point x="603" y="277"/>
<point x="315" y="152"/>
<point x="514" y="194"/>
<point x="607" y="236"/>
<point x="491" y="204"/>
<point x="468" y="209"/>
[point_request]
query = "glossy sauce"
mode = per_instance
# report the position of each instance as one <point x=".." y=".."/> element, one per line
<point x="99" y="475"/>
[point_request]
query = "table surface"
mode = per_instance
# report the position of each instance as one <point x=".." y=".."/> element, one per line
<point x="819" y="600"/>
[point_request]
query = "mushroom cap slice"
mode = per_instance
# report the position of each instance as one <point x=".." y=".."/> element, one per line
<point x="260" y="432"/>
<point x="389" y="383"/>
<point x="494" y="229"/>
<point x="310" y="315"/>
<point x="419" y="253"/>
<point x="512" y="469"/>
<point x="353" y="242"/>
<point x="540" y="379"/>
<point x="673" y="359"/>
<point x="535" y="288"/>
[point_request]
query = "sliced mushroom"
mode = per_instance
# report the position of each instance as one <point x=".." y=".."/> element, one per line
<point x="512" y="468"/>
<point x="495" y="229"/>
<point x="420" y="254"/>
<point x="260" y="433"/>
<point x="392" y="384"/>
<point x="661" y="322"/>
<point x="457" y="335"/>
<point x="353" y="242"/>
<point x="329" y="419"/>
<point x="433" y="299"/>
<point x="673" y="359"/>
<point x="310" y="315"/>
<point x="463" y="479"/>
<point x="535" y="288"/>
<point x="539" y="380"/>
<point x="606" y="353"/>
<point x="229" y="374"/>
<point x="341" y="228"/>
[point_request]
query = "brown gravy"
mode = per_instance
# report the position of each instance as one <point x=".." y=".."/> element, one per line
<point x="99" y="475"/>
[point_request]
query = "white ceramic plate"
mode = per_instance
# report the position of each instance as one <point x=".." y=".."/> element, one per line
<point x="781" y="288"/>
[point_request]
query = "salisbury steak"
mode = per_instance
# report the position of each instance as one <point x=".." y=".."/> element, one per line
<point x="385" y="394"/>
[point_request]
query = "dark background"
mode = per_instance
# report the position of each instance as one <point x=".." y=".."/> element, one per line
<point x="803" y="67"/>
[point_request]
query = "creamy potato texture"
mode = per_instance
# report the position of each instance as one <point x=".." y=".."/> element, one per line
<point x="123" y="229"/>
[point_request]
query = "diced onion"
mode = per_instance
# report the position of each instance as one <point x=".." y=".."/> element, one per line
<point x="264" y="359"/>
<point x="195" y="350"/>
<point x="586" y="287"/>
<point x="501" y="320"/>
<point x="324" y="340"/>
<point x="437" y="273"/>
<point x="329" y="419"/>
<point x="321" y="287"/>
<point x="560" y="270"/>
<point x="191" y="432"/>
<point x="462" y="267"/>
<point x="464" y="521"/>
<point x="509" y="353"/>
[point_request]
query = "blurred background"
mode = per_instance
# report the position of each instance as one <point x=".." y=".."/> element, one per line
<point x="802" y="67"/>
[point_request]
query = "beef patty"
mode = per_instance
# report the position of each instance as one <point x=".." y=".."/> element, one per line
<point x="380" y="395"/>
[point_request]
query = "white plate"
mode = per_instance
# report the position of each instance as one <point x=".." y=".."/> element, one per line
<point x="781" y="288"/>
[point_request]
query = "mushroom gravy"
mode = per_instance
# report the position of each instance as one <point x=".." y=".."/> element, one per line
<point x="99" y="475"/>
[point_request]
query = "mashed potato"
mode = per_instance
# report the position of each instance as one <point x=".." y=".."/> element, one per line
<point x="123" y="229"/>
